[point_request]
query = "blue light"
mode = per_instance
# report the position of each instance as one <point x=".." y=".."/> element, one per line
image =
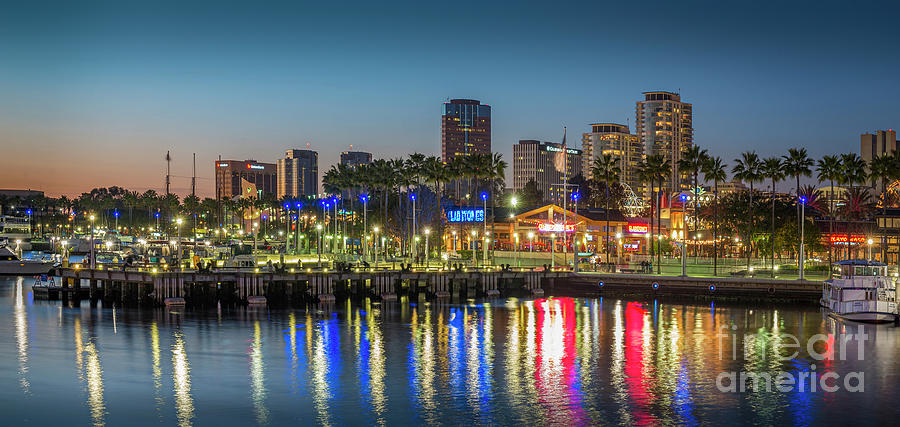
<point x="684" y="197"/>
<point x="575" y="196"/>
<point x="116" y="214"/>
<point x="265" y="217"/>
<point x="412" y="197"/>
<point x="28" y="211"/>
<point x="157" y="215"/>
<point x="299" y="205"/>
<point x="484" y="195"/>
<point x="364" y="198"/>
<point x="287" y="206"/>
<point x="803" y="199"/>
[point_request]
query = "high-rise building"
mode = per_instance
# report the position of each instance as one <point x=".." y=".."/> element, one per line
<point x="549" y="164"/>
<point x="298" y="174"/>
<point x="355" y="158"/>
<point x="465" y="129"/>
<point x="244" y="178"/>
<point x="665" y="126"/>
<point x="881" y="142"/>
<point x="614" y="139"/>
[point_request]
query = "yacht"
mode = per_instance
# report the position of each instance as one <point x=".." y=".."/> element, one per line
<point x="863" y="293"/>
<point x="12" y="264"/>
<point x="15" y="231"/>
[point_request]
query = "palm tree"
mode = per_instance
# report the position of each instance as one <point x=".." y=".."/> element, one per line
<point x="654" y="169"/>
<point x="747" y="168"/>
<point x="853" y="172"/>
<point x="773" y="169"/>
<point x="714" y="170"/>
<point x="606" y="170"/>
<point x="883" y="168"/>
<point x="691" y="162"/>
<point x="829" y="169"/>
<point x="797" y="163"/>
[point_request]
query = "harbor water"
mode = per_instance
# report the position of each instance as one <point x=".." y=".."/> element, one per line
<point x="499" y="361"/>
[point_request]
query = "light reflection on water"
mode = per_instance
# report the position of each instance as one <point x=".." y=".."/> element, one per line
<point x="553" y="361"/>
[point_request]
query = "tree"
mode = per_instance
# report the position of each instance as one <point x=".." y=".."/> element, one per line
<point x="796" y="164"/>
<point x="606" y="170"/>
<point x="747" y="168"/>
<point x="714" y="170"/>
<point x="829" y="169"/>
<point x="883" y="168"/>
<point x="773" y="169"/>
<point x="853" y="172"/>
<point x="532" y="196"/>
<point x="653" y="170"/>
<point x="691" y="162"/>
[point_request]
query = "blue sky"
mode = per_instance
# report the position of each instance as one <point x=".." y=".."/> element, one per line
<point x="94" y="93"/>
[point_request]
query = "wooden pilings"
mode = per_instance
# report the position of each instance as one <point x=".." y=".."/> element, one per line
<point x="130" y="288"/>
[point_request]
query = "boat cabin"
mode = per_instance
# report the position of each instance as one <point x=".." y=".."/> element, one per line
<point x="859" y="267"/>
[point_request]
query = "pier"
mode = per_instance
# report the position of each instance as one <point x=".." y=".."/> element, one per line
<point x="282" y="289"/>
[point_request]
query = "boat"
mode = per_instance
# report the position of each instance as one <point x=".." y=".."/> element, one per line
<point x="12" y="264"/>
<point x="863" y="293"/>
<point x="15" y="232"/>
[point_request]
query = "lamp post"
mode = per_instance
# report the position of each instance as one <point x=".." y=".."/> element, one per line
<point x="474" y="247"/>
<point x="375" y="244"/>
<point x="93" y="263"/>
<point x="552" y="250"/>
<point x="802" y="235"/>
<point x="516" y="236"/>
<point x="415" y="230"/>
<point x="65" y="253"/>
<point x="318" y="242"/>
<point x="297" y="229"/>
<point x="363" y="239"/>
<point x="484" y="197"/>
<point x="531" y="245"/>
<point x="869" y="258"/>
<point x="178" y="246"/>
<point x="427" y="234"/>
<point x="683" y="236"/>
<point x="575" y="236"/>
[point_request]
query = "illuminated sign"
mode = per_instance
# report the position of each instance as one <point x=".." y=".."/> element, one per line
<point x="223" y="165"/>
<point x="465" y="215"/>
<point x="631" y="247"/>
<point x="638" y="228"/>
<point x="841" y="239"/>
<point x="558" y="150"/>
<point x="552" y="227"/>
<point x="249" y="166"/>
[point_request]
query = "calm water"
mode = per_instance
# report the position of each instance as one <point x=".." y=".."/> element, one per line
<point x="572" y="361"/>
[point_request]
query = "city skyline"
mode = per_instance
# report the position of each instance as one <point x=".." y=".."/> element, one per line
<point x="98" y="99"/>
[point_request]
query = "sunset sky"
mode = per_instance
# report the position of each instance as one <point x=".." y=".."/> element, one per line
<point x="94" y="93"/>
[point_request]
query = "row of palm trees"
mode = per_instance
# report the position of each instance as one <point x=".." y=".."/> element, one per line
<point x="846" y="169"/>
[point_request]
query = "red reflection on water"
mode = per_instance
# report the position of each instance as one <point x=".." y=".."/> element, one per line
<point x="635" y="364"/>
<point x="556" y="376"/>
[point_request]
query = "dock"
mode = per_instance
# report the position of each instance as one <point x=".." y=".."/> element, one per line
<point x="283" y="289"/>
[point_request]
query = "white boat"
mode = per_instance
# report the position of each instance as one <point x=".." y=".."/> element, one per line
<point x="11" y="264"/>
<point x="15" y="231"/>
<point x="863" y="293"/>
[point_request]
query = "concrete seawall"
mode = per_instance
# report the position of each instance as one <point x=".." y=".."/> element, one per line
<point x="592" y="284"/>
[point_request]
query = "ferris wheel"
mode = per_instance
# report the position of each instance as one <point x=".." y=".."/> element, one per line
<point x="632" y="205"/>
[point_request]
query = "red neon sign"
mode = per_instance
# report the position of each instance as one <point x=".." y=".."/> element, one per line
<point x="638" y="228"/>
<point x="841" y="239"/>
<point x="552" y="227"/>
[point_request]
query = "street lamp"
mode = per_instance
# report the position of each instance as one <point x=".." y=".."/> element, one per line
<point x="93" y="263"/>
<point x="683" y="235"/>
<point x="553" y="250"/>
<point x="427" y="234"/>
<point x="474" y="247"/>
<point x="375" y="244"/>
<point x="415" y="230"/>
<point x="484" y="197"/>
<point x="318" y="242"/>
<point x="516" y="236"/>
<point x="575" y="196"/>
<point x="531" y="242"/>
<point x="178" y="221"/>
<point x="870" y="241"/>
<point x="364" y="198"/>
<point x="802" y="235"/>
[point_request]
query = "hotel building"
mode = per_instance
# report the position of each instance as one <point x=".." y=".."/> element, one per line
<point x="298" y="174"/>
<point x="665" y="126"/>
<point x="615" y="139"/>
<point x="549" y="164"/>
<point x="355" y="158"/>
<point x="465" y="129"/>
<point x="244" y="178"/>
